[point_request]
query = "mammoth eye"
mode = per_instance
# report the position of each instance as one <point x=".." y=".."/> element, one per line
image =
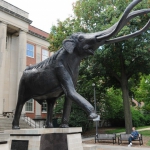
<point x="81" y="38"/>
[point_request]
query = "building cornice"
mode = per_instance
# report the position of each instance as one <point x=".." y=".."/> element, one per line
<point x="5" y="10"/>
<point x="37" y="35"/>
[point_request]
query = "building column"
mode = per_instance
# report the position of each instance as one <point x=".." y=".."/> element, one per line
<point x="21" y="55"/>
<point x="3" y="35"/>
<point x="38" y="59"/>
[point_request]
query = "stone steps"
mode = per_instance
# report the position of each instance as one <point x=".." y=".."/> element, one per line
<point x="6" y="124"/>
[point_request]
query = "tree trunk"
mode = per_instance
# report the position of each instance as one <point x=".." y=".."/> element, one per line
<point x="126" y="105"/>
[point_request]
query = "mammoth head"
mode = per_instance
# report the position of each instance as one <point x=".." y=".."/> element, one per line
<point x="84" y="44"/>
<point x="87" y="43"/>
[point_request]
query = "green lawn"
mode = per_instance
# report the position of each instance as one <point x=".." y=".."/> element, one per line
<point x="118" y="130"/>
<point x="145" y="133"/>
<point x="148" y="144"/>
<point x="143" y="127"/>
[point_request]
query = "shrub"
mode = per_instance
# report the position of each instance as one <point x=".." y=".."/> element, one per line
<point x="147" y="119"/>
<point x="78" y="118"/>
<point x="137" y="117"/>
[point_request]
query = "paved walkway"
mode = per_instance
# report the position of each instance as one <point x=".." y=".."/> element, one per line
<point x="111" y="147"/>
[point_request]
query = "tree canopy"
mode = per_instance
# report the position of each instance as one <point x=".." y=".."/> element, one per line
<point x="113" y="64"/>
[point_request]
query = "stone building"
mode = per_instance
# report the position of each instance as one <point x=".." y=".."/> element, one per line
<point x="21" y="45"/>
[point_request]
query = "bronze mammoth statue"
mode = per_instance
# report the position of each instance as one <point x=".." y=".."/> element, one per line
<point x="57" y="75"/>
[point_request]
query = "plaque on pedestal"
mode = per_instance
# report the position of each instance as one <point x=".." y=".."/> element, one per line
<point x="19" y="145"/>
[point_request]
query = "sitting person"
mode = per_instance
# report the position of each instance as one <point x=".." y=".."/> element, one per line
<point x="134" y="135"/>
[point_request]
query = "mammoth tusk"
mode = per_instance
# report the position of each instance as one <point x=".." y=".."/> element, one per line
<point x="130" y="16"/>
<point x="129" y="35"/>
<point x="117" y="27"/>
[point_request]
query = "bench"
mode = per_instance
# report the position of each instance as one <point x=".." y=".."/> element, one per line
<point x="124" y="137"/>
<point x="106" y="137"/>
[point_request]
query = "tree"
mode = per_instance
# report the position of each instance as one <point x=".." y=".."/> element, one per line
<point x="117" y="62"/>
<point x="114" y="63"/>
<point x="60" y="32"/>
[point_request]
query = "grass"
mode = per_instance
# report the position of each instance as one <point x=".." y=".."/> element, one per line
<point x="145" y="132"/>
<point x="148" y="143"/>
<point x="118" y="130"/>
<point x="143" y="127"/>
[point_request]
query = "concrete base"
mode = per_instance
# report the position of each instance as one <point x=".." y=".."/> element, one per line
<point x="43" y="139"/>
<point x="4" y="146"/>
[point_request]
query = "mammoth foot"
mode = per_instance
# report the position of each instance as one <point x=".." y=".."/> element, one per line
<point x="14" y="127"/>
<point x="64" y="126"/>
<point x="92" y="116"/>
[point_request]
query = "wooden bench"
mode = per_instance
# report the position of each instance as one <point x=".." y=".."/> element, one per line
<point x="106" y="137"/>
<point x="125" y="137"/>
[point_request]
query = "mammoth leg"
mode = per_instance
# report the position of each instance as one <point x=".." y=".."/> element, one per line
<point x="21" y="101"/>
<point x="69" y="90"/>
<point x="50" y="105"/>
<point x="66" y="113"/>
<point x="15" y="123"/>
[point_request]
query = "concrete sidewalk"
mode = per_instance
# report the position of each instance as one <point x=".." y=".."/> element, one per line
<point x="111" y="147"/>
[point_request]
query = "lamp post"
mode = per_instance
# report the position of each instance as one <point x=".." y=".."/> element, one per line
<point x="96" y="123"/>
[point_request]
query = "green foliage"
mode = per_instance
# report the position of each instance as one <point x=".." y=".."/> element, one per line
<point x="113" y="101"/>
<point x="113" y="64"/>
<point x="142" y="92"/>
<point x="113" y="107"/>
<point x="59" y="105"/>
<point x="116" y="63"/>
<point x="147" y="119"/>
<point x="78" y="118"/>
<point x="137" y="118"/>
<point x="60" y="32"/>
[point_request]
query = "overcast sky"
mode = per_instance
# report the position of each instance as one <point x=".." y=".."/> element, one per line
<point x="45" y="13"/>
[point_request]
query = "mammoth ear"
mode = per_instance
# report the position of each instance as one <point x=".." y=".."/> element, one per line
<point x="69" y="45"/>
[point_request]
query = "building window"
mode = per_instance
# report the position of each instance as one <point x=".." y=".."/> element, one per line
<point x="45" y="54"/>
<point x="44" y="106"/>
<point x="30" y="50"/>
<point x="29" y="105"/>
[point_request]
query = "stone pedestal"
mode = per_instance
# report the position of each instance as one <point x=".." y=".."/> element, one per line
<point x="4" y="145"/>
<point x="46" y="139"/>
